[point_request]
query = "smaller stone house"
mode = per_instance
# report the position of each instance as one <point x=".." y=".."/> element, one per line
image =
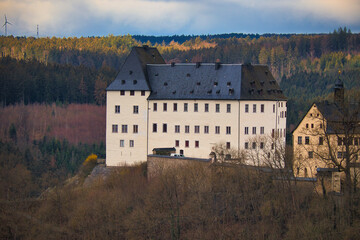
<point x="327" y="137"/>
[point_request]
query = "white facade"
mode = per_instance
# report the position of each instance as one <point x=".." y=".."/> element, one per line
<point x="193" y="132"/>
<point x="126" y="129"/>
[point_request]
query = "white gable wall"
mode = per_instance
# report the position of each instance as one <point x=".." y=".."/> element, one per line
<point x="119" y="155"/>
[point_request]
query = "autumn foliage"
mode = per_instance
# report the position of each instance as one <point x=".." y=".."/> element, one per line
<point x="76" y="123"/>
<point x="195" y="202"/>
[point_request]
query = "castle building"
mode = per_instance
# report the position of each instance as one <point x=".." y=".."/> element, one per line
<point x="190" y="107"/>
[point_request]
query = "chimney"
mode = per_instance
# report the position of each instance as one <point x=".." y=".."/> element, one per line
<point x="339" y="93"/>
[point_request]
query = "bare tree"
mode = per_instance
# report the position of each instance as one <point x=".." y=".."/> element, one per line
<point x="266" y="151"/>
<point x="331" y="135"/>
<point x="223" y="152"/>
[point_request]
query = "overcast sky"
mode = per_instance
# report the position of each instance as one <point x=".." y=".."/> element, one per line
<point x="68" y="18"/>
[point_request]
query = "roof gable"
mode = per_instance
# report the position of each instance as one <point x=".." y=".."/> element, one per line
<point x="133" y="75"/>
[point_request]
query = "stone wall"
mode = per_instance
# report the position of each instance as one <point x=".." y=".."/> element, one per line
<point x="157" y="164"/>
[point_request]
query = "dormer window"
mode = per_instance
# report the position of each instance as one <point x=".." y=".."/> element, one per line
<point x="188" y="75"/>
<point x="165" y="83"/>
<point x="134" y="82"/>
<point x="231" y="91"/>
<point x="130" y="72"/>
<point x="215" y="84"/>
<point x="228" y="84"/>
<point x="123" y="82"/>
<point x="198" y="83"/>
<point x="218" y="91"/>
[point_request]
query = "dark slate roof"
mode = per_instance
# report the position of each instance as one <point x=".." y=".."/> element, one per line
<point x="133" y="75"/>
<point x="329" y="110"/>
<point x="334" y="115"/>
<point x="145" y="69"/>
<point x="191" y="81"/>
<point x="212" y="81"/>
<point x="259" y="84"/>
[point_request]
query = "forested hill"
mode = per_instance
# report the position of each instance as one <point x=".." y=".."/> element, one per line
<point x="78" y="69"/>
<point x="183" y="38"/>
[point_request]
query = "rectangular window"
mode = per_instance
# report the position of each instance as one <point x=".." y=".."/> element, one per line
<point x="124" y="128"/>
<point x="273" y="133"/>
<point x="117" y="108"/>
<point x="196" y="144"/>
<point x="206" y="107"/>
<point x="217" y="129"/>
<point x="132" y="93"/>
<point x="164" y="107"/>
<point x="228" y="108"/>
<point x="254" y="108"/>
<point x="228" y="130"/>
<point x="135" y="128"/>
<point x="177" y="128"/>
<point x="122" y="143"/>
<point x="307" y="125"/>
<point x="321" y="140"/>
<point x="246" y="145"/>
<point x="114" y="128"/>
<point x="197" y="129"/>
<point x="185" y="107"/>
<point x="246" y="131"/>
<point x="206" y="129"/>
<point x="262" y="130"/>
<point x="273" y="108"/>
<point x="312" y="125"/>
<point x="175" y="107"/>
<point x="246" y="108"/>
<point x="131" y="143"/>
<point x="122" y="93"/>
<point x="186" y="143"/>
<point x="307" y="140"/>
<point x="177" y="143"/>
<point x="254" y="145"/>
<point x="228" y="145"/>
<point x="143" y="93"/>
<point x="164" y="127"/>
<point x="311" y="154"/>
<point x="320" y="125"/>
<point x="195" y="107"/>
<point x="340" y="154"/>
<point x="154" y="127"/>
<point x="187" y="129"/>
<point x="340" y="141"/>
<point x="261" y="145"/>
<point x="299" y="140"/>
<point x="135" y="109"/>
<point x="356" y="141"/>
<point x="262" y="108"/>
<point x="217" y="107"/>
<point x="155" y="107"/>
<point x="254" y="130"/>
